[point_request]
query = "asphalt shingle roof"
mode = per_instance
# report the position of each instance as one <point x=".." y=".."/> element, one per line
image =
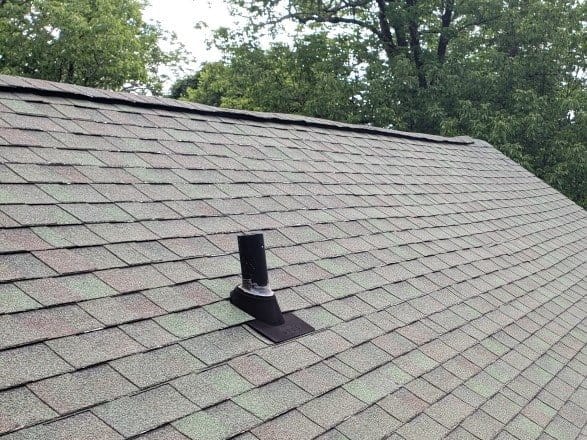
<point x="446" y="283"/>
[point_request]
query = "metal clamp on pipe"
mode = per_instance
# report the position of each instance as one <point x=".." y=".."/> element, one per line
<point x="255" y="297"/>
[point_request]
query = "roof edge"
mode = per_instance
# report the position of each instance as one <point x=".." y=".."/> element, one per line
<point x="49" y="88"/>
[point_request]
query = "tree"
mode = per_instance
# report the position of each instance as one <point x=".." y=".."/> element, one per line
<point x="96" y="43"/>
<point x="511" y="72"/>
<point x="314" y="77"/>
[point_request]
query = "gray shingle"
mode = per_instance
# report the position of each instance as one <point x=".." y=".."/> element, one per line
<point x="74" y="391"/>
<point x="223" y="344"/>
<point x="209" y="387"/>
<point x="217" y="423"/>
<point x="22" y="266"/>
<point x="94" y="347"/>
<point x="289" y="357"/>
<point x="292" y="425"/>
<point x="332" y="408"/>
<point x="138" y="413"/>
<point x="121" y="309"/>
<point x="13" y="299"/>
<point x="443" y="286"/>
<point x="163" y="364"/>
<point x="272" y="399"/>
<point x="43" y="324"/>
<point x="19" y="407"/>
<point x="84" y="426"/>
<point x="372" y="423"/>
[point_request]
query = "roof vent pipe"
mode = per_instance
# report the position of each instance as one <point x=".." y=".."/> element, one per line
<point x="255" y="297"/>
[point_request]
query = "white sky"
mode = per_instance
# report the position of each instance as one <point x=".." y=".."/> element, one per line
<point x="182" y="16"/>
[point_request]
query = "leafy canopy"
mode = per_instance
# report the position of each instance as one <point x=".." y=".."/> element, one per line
<point x="511" y="72"/>
<point x="97" y="43"/>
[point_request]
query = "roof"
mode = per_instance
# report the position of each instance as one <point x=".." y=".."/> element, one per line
<point x="445" y="282"/>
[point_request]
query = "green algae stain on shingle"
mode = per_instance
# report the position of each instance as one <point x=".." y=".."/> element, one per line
<point x="51" y="236"/>
<point x="217" y="423"/>
<point x="272" y="399"/>
<point x="189" y="323"/>
<point x="212" y="386"/>
<point x="227" y="313"/>
<point x="12" y="299"/>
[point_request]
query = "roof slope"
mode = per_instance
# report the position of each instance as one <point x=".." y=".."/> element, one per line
<point x="447" y="284"/>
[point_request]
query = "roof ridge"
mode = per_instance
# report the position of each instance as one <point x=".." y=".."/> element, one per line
<point x="50" y="88"/>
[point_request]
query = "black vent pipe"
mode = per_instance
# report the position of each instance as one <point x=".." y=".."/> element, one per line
<point x="254" y="295"/>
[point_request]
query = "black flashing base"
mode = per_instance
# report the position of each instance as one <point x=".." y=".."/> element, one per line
<point x="264" y="308"/>
<point x="291" y="328"/>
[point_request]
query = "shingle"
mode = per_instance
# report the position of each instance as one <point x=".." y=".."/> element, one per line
<point x="14" y="240"/>
<point x="94" y="347"/>
<point x="67" y="261"/>
<point x="74" y="391"/>
<point x="317" y="379"/>
<point x="163" y="364"/>
<point x="49" y="291"/>
<point x="209" y="387"/>
<point x="562" y="428"/>
<point x="12" y="300"/>
<point x="178" y="271"/>
<point x="272" y="399"/>
<point x="217" y="423"/>
<point x="331" y="408"/>
<point x="33" y="362"/>
<point x="121" y="309"/>
<point x="372" y="423"/>
<point x="364" y="357"/>
<point x="223" y="344"/>
<point x="290" y="426"/>
<point x="325" y="343"/>
<point x="191" y="247"/>
<point x="133" y="278"/>
<point x="255" y="369"/>
<point x="339" y="287"/>
<point x="522" y="427"/>
<point x="358" y="330"/>
<point x="73" y="193"/>
<point x="289" y="357"/>
<point x="422" y="428"/>
<point x="482" y="425"/>
<point x="19" y="407"/>
<point x="26" y="194"/>
<point x="182" y="296"/>
<point x="189" y="323"/>
<point x="394" y="343"/>
<point x="138" y="413"/>
<point x="22" y="266"/>
<point x="43" y="324"/>
<point x="61" y="236"/>
<point x="103" y="212"/>
<point x="449" y="411"/>
<point x="84" y="426"/>
<point x="318" y="317"/>
<point x="148" y="333"/>
<point x="403" y="404"/>
<point x="165" y="433"/>
<point x="119" y="232"/>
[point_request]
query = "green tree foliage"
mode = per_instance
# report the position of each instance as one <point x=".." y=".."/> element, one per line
<point x="314" y="77"/>
<point x="511" y="72"/>
<point x="97" y="43"/>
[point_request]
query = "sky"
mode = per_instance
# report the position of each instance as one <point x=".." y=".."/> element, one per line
<point x="182" y="16"/>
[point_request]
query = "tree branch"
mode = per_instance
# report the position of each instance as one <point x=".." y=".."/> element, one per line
<point x="446" y="21"/>
<point x="385" y="31"/>
<point x="415" y="47"/>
